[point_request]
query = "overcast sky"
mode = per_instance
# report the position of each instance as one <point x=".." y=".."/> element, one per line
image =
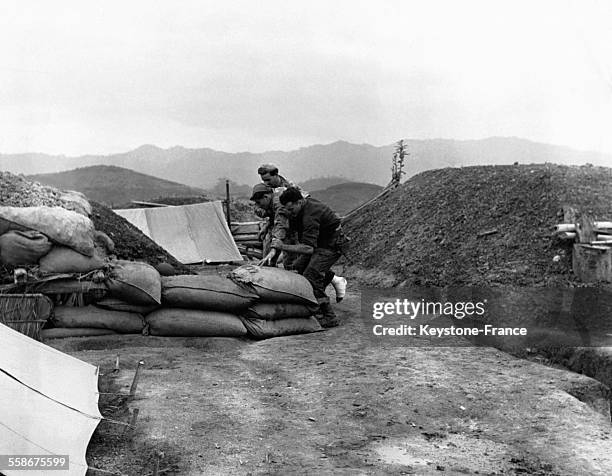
<point x="101" y="77"/>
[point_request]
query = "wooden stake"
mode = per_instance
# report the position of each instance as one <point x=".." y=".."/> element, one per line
<point x="135" y="381"/>
<point x="134" y="418"/>
<point x="129" y="429"/>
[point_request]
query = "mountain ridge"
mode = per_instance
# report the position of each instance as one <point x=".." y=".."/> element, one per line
<point x="202" y="167"/>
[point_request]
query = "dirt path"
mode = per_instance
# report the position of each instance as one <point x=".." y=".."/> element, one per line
<point x="333" y="403"/>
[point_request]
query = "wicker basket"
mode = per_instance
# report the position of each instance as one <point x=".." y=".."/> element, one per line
<point x="26" y="313"/>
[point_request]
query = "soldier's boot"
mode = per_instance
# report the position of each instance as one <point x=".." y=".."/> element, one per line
<point x="327" y="317"/>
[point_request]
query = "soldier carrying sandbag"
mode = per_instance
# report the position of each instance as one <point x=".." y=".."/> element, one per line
<point x="320" y="240"/>
<point x="266" y="196"/>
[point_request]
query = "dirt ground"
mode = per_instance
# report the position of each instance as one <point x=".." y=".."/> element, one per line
<point x="336" y="403"/>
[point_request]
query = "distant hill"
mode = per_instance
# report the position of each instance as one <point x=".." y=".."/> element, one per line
<point x="202" y="168"/>
<point x="342" y="198"/>
<point x="321" y="183"/>
<point x="114" y="186"/>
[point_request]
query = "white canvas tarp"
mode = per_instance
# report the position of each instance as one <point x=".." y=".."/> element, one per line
<point x="191" y="233"/>
<point x="49" y="402"/>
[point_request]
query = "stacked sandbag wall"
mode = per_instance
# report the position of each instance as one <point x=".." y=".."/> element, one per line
<point x="200" y="305"/>
<point x="62" y="255"/>
<point x="133" y="291"/>
<point x="286" y="302"/>
<point x="251" y="300"/>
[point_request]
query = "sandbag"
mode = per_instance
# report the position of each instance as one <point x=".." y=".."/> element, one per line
<point x="193" y="323"/>
<point x="23" y="247"/>
<point x="272" y="312"/>
<point x="62" y="259"/>
<point x="103" y="242"/>
<point x="6" y="226"/>
<point x="92" y="316"/>
<point x="114" y="304"/>
<point x="165" y="269"/>
<point x="59" y="332"/>
<point x="62" y="226"/>
<point x="275" y="285"/>
<point x="212" y="292"/>
<point x="75" y="201"/>
<point x="134" y="282"/>
<point x="262" y="329"/>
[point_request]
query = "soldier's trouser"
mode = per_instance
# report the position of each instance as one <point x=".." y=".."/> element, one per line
<point x="316" y="268"/>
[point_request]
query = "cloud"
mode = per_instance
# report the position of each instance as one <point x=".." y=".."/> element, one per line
<point x="280" y="74"/>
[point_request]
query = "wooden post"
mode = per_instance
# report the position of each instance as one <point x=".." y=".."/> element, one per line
<point x="585" y="229"/>
<point x="135" y="381"/>
<point x="592" y="263"/>
<point x="227" y="203"/>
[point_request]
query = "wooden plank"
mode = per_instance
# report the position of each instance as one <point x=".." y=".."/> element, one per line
<point x="246" y="228"/>
<point x="600" y="226"/>
<point x="250" y="243"/>
<point x="249" y="237"/>
<point x="57" y="286"/>
<point x="150" y="204"/>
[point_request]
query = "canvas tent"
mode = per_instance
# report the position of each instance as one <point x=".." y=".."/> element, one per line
<point x="49" y="403"/>
<point x="191" y="233"/>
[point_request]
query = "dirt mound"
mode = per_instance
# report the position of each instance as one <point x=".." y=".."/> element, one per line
<point x="484" y="225"/>
<point x="130" y="243"/>
<point x="16" y="191"/>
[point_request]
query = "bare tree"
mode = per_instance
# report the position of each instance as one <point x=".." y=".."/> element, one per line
<point x="397" y="163"/>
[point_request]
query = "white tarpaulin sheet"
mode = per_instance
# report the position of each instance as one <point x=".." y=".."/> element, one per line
<point x="191" y="233"/>
<point x="49" y="403"/>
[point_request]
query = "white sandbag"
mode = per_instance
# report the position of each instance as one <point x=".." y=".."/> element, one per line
<point x="134" y="282"/>
<point x="62" y="259"/>
<point x="262" y="329"/>
<point x="275" y="285"/>
<point x="23" y="247"/>
<point x="62" y="226"/>
<point x="75" y="201"/>
<point x="94" y="317"/>
<point x="193" y="323"/>
<point x="275" y="311"/>
<point x="212" y="292"/>
<point x="60" y="332"/>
